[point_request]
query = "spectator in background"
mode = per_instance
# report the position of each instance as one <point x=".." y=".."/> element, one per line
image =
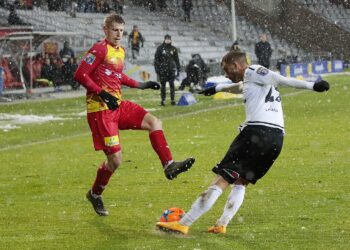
<point x="105" y="7"/>
<point x="13" y="18"/>
<point x="90" y="6"/>
<point x="54" y="5"/>
<point x="37" y="66"/>
<point x="192" y="76"/>
<point x="68" y="70"/>
<point x="66" y="51"/>
<point x="263" y="51"/>
<point x="235" y="46"/>
<point x="197" y="73"/>
<point x="118" y="6"/>
<point x="56" y="73"/>
<point x="167" y="67"/>
<point x="46" y="74"/>
<point x="81" y="5"/>
<point x="102" y="6"/>
<point x="135" y="39"/>
<point x="161" y="4"/>
<point x="151" y="5"/>
<point x="204" y="69"/>
<point x="187" y="7"/>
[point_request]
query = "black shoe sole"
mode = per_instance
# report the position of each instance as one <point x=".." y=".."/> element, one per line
<point x="187" y="166"/>
<point x="88" y="196"/>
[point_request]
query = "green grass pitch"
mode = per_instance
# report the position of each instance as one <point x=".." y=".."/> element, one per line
<point x="302" y="203"/>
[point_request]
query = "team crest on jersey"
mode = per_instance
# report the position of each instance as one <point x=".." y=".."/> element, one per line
<point x="262" y="71"/>
<point x="90" y="58"/>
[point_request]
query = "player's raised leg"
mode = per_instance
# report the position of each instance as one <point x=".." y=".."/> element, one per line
<point x="160" y="146"/>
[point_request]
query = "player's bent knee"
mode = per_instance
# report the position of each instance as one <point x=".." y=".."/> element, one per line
<point x="114" y="161"/>
<point x="113" y="165"/>
<point x="151" y="123"/>
<point x="157" y="125"/>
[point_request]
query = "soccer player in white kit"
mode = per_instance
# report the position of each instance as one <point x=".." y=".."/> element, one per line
<point x="257" y="145"/>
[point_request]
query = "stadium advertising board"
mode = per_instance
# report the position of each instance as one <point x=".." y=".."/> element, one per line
<point x="308" y="69"/>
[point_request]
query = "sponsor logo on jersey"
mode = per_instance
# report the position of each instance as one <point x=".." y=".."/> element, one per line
<point x="108" y="72"/>
<point x="262" y="71"/>
<point x="111" y="141"/>
<point x="90" y="58"/>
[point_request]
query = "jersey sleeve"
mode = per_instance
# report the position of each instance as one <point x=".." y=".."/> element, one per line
<point x="89" y="63"/>
<point x="125" y="80"/>
<point x="264" y="76"/>
<point x="292" y="82"/>
<point x="229" y="87"/>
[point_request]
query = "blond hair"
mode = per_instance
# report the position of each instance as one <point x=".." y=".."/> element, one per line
<point x="234" y="56"/>
<point x="109" y="19"/>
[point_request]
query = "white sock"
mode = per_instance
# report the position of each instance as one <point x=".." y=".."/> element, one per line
<point x="201" y="205"/>
<point x="167" y="164"/>
<point x="234" y="201"/>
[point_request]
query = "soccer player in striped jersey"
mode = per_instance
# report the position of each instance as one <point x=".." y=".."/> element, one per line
<point x="256" y="147"/>
<point x="101" y="73"/>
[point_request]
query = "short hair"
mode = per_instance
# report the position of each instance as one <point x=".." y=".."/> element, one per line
<point x="109" y="19"/>
<point x="234" y="56"/>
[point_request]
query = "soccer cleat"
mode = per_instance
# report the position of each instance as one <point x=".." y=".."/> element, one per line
<point x="173" y="103"/>
<point x="176" y="168"/>
<point x="97" y="203"/>
<point x="217" y="229"/>
<point x="172" y="227"/>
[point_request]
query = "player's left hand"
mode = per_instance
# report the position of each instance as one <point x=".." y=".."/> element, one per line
<point x="150" y="85"/>
<point x="321" y="86"/>
<point x="208" y="91"/>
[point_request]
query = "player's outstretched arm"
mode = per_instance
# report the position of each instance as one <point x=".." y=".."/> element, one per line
<point x="208" y="91"/>
<point x="149" y="85"/>
<point x="319" y="86"/>
<point x="223" y="87"/>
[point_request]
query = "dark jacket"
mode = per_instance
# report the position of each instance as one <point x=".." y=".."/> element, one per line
<point x="46" y="72"/>
<point x="66" y="52"/>
<point x="166" y="60"/>
<point x="187" y="4"/>
<point x="193" y="72"/>
<point x="263" y="52"/>
<point x="13" y="19"/>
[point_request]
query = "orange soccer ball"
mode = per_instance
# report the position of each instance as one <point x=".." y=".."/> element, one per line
<point x="172" y="214"/>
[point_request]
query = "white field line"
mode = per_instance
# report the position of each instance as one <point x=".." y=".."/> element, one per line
<point x="163" y="119"/>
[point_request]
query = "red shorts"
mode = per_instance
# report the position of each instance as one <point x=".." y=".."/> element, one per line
<point x="105" y="125"/>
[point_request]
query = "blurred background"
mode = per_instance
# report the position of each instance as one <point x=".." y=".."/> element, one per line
<point x="42" y="41"/>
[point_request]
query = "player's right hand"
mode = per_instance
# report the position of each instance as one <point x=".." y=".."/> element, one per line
<point x="208" y="91"/>
<point x="321" y="86"/>
<point x="110" y="100"/>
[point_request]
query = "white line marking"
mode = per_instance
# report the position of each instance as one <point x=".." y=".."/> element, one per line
<point x="164" y="118"/>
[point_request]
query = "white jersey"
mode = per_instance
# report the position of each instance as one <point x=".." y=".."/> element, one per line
<point x="262" y="100"/>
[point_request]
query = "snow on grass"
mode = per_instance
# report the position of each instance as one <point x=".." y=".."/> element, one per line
<point x="9" y="121"/>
